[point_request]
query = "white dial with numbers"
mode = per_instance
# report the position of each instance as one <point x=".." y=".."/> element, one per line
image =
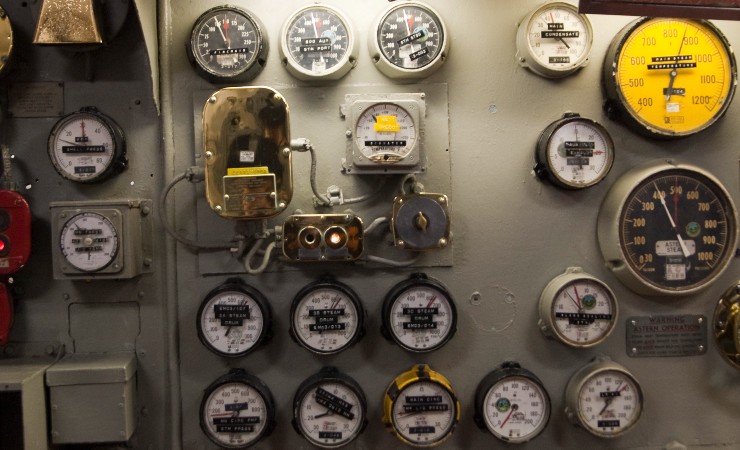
<point x="89" y="241"/>
<point x="385" y="133"/>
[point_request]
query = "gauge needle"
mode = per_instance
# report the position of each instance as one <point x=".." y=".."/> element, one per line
<point x="218" y="25"/>
<point x="431" y="301"/>
<point x="674" y="71"/>
<point x="318" y="416"/>
<point x="578" y="307"/>
<point x="560" y="38"/>
<point x="76" y="144"/>
<point x="408" y="21"/>
<point x="513" y="409"/>
<point x="681" y="242"/>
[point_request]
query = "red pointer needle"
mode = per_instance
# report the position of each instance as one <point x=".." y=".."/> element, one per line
<point x="82" y="125"/>
<point x="578" y="297"/>
<point x="513" y="408"/>
<point x="431" y="301"/>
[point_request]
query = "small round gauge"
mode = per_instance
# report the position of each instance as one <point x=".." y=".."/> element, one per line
<point x="6" y="41"/>
<point x="727" y="325"/>
<point x="385" y="133"/>
<point x="420" y="407"/>
<point x="419" y="314"/>
<point x="410" y="40"/>
<point x="512" y="404"/>
<point x="87" y="146"/>
<point x="228" y="44"/>
<point x="237" y="410"/>
<point x="89" y="241"/>
<point x="577" y="309"/>
<point x="318" y="43"/>
<point x="669" y="78"/>
<point x="234" y="319"/>
<point x="329" y="409"/>
<point x="574" y="152"/>
<point x="554" y="41"/>
<point x="667" y="229"/>
<point x="326" y="317"/>
<point x="604" y="398"/>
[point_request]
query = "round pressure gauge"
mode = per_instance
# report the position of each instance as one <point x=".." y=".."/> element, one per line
<point x="237" y="410"/>
<point x="385" y="133"/>
<point x="87" y="146"/>
<point x="420" y="407"/>
<point x="512" y="404"/>
<point x="318" y="43"/>
<point x="574" y="152"/>
<point x="329" y="409"/>
<point x="228" y="44"/>
<point x="89" y="241"/>
<point x="727" y="325"/>
<point x="667" y="229"/>
<point x="604" y="398"/>
<point x="234" y="319"/>
<point x="577" y="309"/>
<point x="326" y="317"/>
<point x="554" y="40"/>
<point x="669" y="78"/>
<point x="6" y="41"/>
<point x="408" y="40"/>
<point x="419" y="314"/>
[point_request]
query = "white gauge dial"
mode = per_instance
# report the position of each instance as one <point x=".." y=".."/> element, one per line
<point x="233" y="319"/>
<point x="237" y="411"/>
<point x="419" y="315"/>
<point x="89" y="241"/>
<point x="330" y="411"/>
<point x="574" y="152"/>
<point x="516" y="408"/>
<point x="554" y="40"/>
<point x="604" y="398"/>
<point x="385" y="133"/>
<point x="424" y="413"/>
<point x="318" y="43"/>
<point x="86" y="146"/>
<point x="326" y="317"/>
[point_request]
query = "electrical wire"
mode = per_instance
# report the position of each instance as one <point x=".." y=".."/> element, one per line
<point x="391" y="262"/>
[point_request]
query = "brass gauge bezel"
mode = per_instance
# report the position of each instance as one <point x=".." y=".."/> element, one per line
<point x="7" y="41"/>
<point x="726" y="325"/>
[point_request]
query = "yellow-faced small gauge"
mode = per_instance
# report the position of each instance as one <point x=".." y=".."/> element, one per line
<point x="420" y="407"/>
<point x="87" y="146"/>
<point x="574" y="152"/>
<point x="554" y="40"/>
<point x="577" y="309"/>
<point x="727" y="325"/>
<point x="512" y="404"/>
<point x="604" y="398"/>
<point x="318" y="43"/>
<point x="6" y="41"/>
<point x="669" y="78"/>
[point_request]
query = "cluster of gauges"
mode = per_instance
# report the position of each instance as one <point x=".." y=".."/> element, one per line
<point x="420" y="406"/>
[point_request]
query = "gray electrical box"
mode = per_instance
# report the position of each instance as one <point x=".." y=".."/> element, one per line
<point x="92" y="398"/>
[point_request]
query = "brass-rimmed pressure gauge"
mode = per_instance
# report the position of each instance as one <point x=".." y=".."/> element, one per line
<point x="87" y="146"/>
<point x="727" y="325"/>
<point x="420" y="407"/>
<point x="318" y="42"/>
<point x="329" y="409"/>
<point x="326" y="317"/>
<point x="574" y="152"/>
<point x="6" y="41"/>
<point x="408" y="40"/>
<point x="577" y="309"/>
<point x="666" y="228"/>
<point x="668" y="77"/>
<point x="604" y="398"/>
<point x="512" y="404"/>
<point x="553" y="40"/>
<point x="228" y="44"/>
<point x="237" y="410"/>
<point x="419" y="314"/>
<point x="234" y="319"/>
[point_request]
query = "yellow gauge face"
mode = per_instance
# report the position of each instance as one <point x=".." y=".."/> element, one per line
<point x="674" y="77"/>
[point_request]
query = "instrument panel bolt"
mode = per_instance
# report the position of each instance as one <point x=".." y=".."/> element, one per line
<point x="400" y="243"/>
<point x="700" y="320"/>
<point x="218" y="208"/>
<point x="209" y="154"/>
<point x="442" y="200"/>
<point x="701" y="348"/>
<point x="286" y="151"/>
<point x="278" y="97"/>
<point x="282" y="205"/>
<point x="634" y="350"/>
<point x="442" y="242"/>
<point x="633" y="322"/>
<point x="212" y="99"/>
<point x="348" y="133"/>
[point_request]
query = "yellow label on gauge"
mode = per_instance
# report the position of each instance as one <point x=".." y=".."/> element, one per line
<point x="386" y="124"/>
<point x="235" y="171"/>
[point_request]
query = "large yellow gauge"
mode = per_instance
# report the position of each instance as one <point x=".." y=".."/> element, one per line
<point x="669" y="78"/>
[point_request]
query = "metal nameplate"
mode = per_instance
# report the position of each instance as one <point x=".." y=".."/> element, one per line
<point x="669" y="335"/>
<point x="249" y="193"/>
<point x="41" y="99"/>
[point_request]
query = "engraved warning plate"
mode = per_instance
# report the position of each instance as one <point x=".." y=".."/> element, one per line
<point x="249" y="193"/>
<point x="671" y="335"/>
<point x="39" y="99"/>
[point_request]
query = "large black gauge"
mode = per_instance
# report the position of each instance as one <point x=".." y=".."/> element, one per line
<point x="326" y="317"/>
<point x="329" y="409"/>
<point x="228" y="44"/>
<point x="410" y="40"/>
<point x="87" y="146"/>
<point x="667" y="229"/>
<point x="234" y="319"/>
<point x="318" y="42"/>
<point x="419" y="314"/>
<point x="237" y="410"/>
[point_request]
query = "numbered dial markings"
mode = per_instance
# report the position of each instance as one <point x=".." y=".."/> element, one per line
<point x="89" y="241"/>
<point x="424" y="413"/>
<point x="670" y="77"/>
<point x="516" y="408"/>
<point x="385" y="133"/>
<point x="609" y="403"/>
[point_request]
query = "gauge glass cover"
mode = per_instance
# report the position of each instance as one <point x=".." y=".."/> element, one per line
<point x="609" y="403"/>
<point x="326" y="319"/>
<point x="385" y="133"/>
<point x="235" y="415"/>
<point x="89" y="241"/>
<point x="583" y="312"/>
<point x="424" y="413"/>
<point x="331" y="414"/>
<point x="516" y="409"/>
